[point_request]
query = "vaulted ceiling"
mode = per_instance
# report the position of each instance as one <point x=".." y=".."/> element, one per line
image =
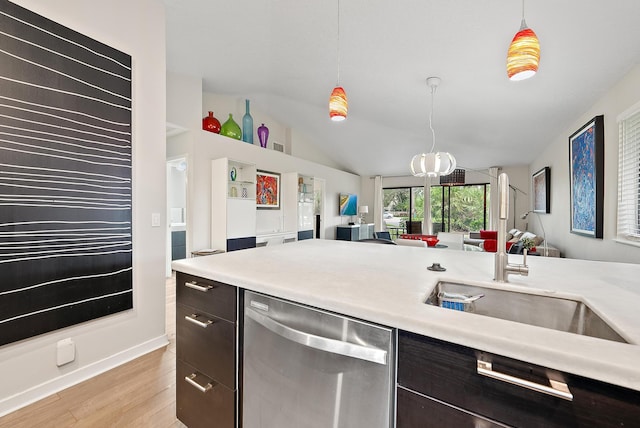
<point x="282" y="54"/>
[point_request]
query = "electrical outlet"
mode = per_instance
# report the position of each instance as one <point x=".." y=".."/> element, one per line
<point x="65" y="352"/>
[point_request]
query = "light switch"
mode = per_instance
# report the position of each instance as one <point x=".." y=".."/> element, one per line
<point x="155" y="219"/>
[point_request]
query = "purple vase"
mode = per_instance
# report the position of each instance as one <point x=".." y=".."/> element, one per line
<point x="263" y="135"/>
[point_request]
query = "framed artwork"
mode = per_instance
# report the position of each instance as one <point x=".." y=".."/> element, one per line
<point x="267" y="190"/>
<point x="65" y="222"/>
<point x="541" y="183"/>
<point x="586" y="170"/>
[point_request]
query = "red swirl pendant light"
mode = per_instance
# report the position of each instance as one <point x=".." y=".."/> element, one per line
<point x="524" y="53"/>
<point x="338" y="104"/>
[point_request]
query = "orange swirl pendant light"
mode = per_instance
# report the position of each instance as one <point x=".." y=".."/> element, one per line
<point x="338" y="104"/>
<point x="524" y="53"/>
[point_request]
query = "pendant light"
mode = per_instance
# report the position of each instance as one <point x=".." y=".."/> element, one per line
<point x="338" y="104"/>
<point x="524" y="53"/>
<point x="432" y="164"/>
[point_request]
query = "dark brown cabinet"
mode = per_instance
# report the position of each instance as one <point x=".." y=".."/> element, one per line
<point x="441" y="384"/>
<point x="206" y="331"/>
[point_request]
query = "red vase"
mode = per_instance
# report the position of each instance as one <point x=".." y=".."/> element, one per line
<point x="211" y="124"/>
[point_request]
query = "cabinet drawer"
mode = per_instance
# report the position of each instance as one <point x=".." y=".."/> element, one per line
<point x="206" y="295"/>
<point x="214" y="407"/>
<point x="207" y="343"/>
<point x="418" y="411"/>
<point x="449" y="372"/>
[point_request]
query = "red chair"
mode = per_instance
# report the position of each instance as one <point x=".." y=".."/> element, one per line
<point x="491" y="245"/>
<point x="488" y="234"/>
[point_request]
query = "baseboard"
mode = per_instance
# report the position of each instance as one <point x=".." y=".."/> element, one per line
<point x="31" y="395"/>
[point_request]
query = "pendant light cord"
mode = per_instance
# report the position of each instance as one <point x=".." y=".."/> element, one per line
<point x="338" y="49"/>
<point x="433" y="133"/>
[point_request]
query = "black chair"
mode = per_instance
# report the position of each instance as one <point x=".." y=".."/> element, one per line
<point x="414" y="227"/>
<point x="382" y="235"/>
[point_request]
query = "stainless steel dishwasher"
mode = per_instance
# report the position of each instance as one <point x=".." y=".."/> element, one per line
<point x="308" y="368"/>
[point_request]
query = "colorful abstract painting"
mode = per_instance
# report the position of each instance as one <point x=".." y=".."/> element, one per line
<point x="586" y="164"/>
<point x="267" y="190"/>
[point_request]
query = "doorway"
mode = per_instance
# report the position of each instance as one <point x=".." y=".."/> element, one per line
<point x="319" y="185"/>
<point x="177" y="247"/>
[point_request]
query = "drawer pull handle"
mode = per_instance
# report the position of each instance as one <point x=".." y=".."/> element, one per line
<point x="196" y="286"/>
<point x="557" y="389"/>
<point x="193" y="318"/>
<point x="191" y="379"/>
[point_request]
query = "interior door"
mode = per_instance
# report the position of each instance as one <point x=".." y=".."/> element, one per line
<point x="319" y="185"/>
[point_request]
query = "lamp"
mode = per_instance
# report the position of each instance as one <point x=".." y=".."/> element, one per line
<point x="455" y="178"/>
<point x="362" y="210"/>
<point x="524" y="53"/>
<point x="432" y="164"/>
<point x="544" y="235"/>
<point x="338" y="104"/>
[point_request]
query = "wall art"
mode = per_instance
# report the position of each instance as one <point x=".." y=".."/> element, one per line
<point x="541" y="183"/>
<point x="586" y="173"/>
<point x="65" y="176"/>
<point x="267" y="190"/>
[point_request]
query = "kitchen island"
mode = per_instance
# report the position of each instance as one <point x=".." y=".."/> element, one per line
<point x="388" y="285"/>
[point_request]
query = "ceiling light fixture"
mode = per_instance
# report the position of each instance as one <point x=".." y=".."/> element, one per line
<point x="432" y="164"/>
<point x="524" y="53"/>
<point x="338" y="104"/>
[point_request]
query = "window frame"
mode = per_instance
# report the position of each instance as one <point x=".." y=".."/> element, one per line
<point x="628" y="223"/>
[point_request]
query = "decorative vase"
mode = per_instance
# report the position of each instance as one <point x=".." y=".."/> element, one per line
<point x="247" y="125"/>
<point x="210" y="123"/>
<point x="231" y="129"/>
<point x="263" y="135"/>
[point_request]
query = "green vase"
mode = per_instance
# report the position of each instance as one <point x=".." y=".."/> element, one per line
<point x="231" y="129"/>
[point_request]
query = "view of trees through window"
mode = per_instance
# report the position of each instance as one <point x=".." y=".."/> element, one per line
<point x="460" y="208"/>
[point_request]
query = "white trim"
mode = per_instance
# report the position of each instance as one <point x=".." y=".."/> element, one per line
<point x="627" y="242"/>
<point x="628" y="112"/>
<point x="38" y="392"/>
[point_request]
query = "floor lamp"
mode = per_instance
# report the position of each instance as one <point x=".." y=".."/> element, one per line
<point x="544" y="235"/>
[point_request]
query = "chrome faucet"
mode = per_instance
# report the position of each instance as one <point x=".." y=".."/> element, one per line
<point x="502" y="266"/>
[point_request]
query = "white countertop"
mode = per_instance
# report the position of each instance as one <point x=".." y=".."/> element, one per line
<point x="388" y="284"/>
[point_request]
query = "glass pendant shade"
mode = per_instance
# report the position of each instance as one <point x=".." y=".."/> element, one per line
<point x="433" y="164"/>
<point x="338" y="104"/>
<point x="524" y="54"/>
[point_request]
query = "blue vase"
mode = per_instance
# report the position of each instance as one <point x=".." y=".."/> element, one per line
<point x="247" y="125"/>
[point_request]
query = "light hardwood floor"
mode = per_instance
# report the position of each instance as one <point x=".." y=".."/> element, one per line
<point x="141" y="393"/>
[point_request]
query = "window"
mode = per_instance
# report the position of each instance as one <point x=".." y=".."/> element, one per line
<point x="629" y="175"/>
<point x="461" y="208"/>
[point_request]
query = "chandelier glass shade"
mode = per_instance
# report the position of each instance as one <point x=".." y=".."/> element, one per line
<point x="338" y="104"/>
<point x="524" y="54"/>
<point x="433" y="164"/>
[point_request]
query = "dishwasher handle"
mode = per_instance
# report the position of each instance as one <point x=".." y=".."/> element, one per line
<point x="374" y="355"/>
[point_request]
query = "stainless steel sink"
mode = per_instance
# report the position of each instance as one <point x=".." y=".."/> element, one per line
<point x="557" y="313"/>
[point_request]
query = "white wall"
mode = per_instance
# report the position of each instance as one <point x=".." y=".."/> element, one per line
<point x="295" y="142"/>
<point x="28" y="368"/>
<point x="620" y="97"/>
<point x="201" y="147"/>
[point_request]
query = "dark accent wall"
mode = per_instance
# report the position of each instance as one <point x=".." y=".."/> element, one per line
<point x="65" y="176"/>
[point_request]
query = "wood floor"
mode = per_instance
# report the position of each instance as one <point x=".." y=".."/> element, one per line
<point x="141" y="393"/>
